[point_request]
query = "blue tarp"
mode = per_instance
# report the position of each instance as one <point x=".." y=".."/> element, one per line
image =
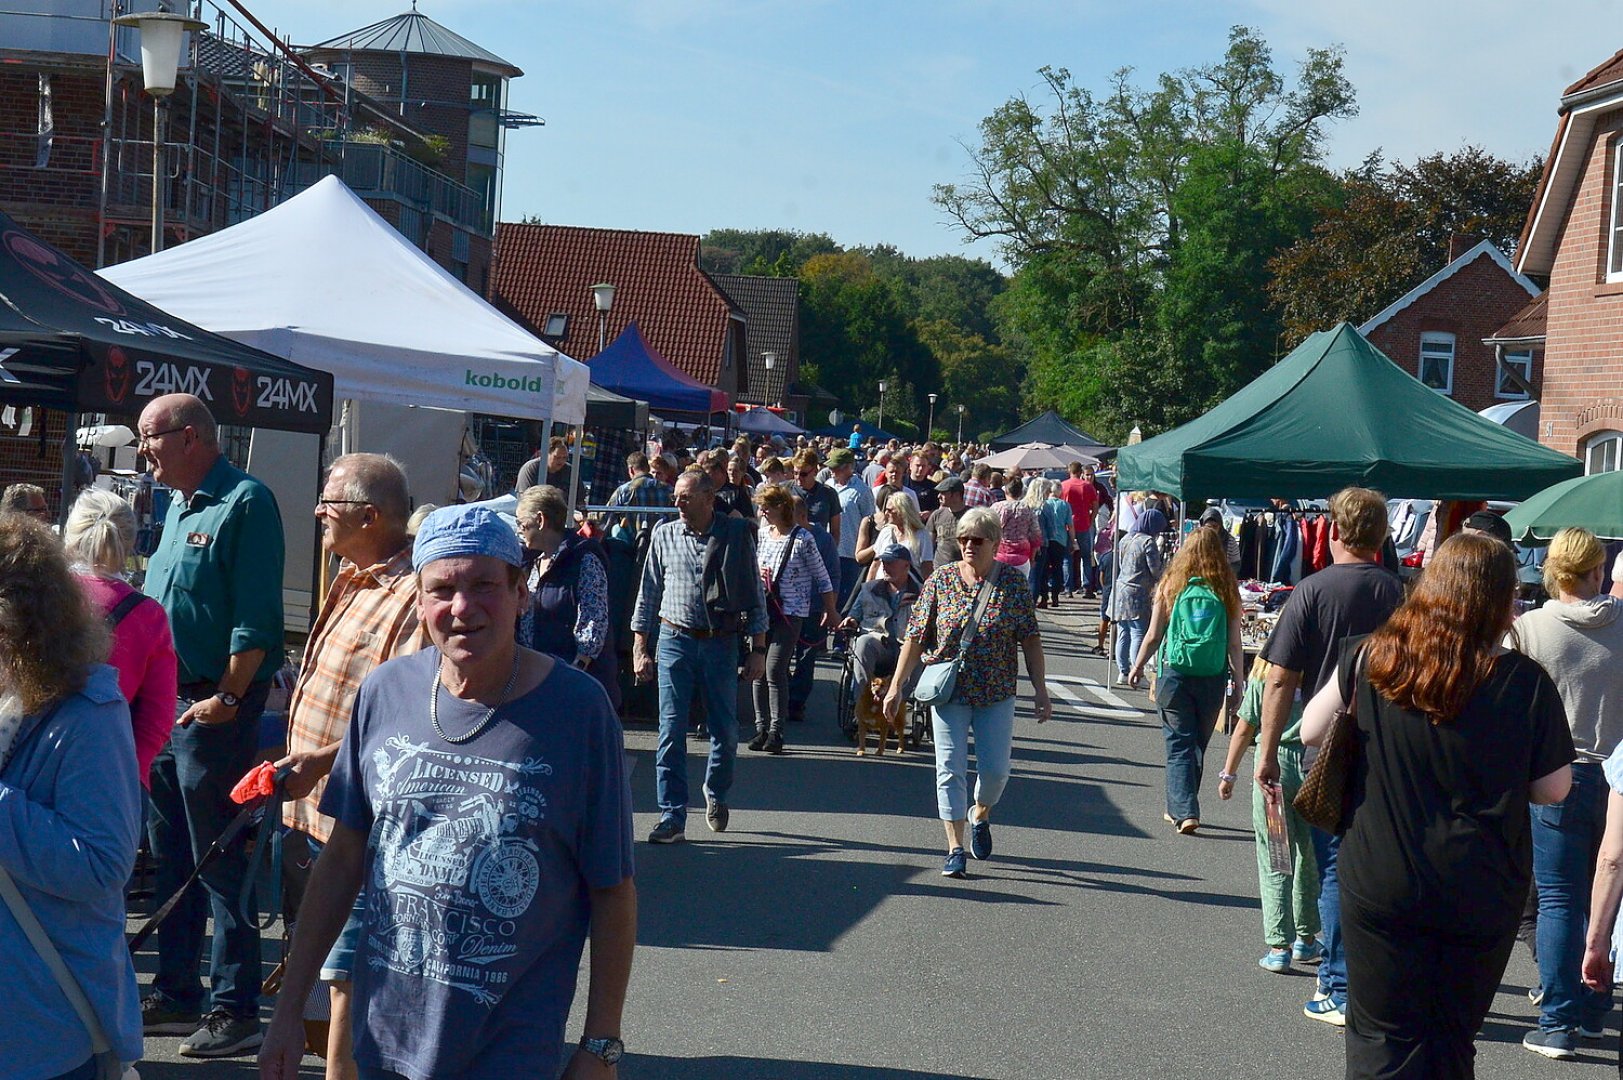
<point x="631" y="367"/>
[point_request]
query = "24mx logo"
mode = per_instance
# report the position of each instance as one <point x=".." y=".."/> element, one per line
<point x="280" y="392"/>
<point x="154" y="379"/>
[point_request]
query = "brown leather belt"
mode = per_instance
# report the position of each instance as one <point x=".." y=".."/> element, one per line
<point x="700" y="634"/>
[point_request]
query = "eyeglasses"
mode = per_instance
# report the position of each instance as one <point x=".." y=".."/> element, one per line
<point x="807" y="472"/>
<point x="154" y="436"/>
<point x="528" y="523"/>
<point x="974" y="540"/>
<point x="327" y="504"/>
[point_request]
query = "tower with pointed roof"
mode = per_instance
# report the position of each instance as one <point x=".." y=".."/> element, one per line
<point x="441" y="83"/>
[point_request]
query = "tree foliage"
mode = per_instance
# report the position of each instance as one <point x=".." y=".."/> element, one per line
<point x="1389" y="229"/>
<point x="1141" y="221"/>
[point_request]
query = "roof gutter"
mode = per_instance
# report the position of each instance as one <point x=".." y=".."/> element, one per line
<point x="1586" y="97"/>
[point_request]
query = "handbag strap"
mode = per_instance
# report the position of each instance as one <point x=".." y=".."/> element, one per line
<point x="983" y="596"/>
<point x="783" y="563"/>
<point x="41" y="941"/>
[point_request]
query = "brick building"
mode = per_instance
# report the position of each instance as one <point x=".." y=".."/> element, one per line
<point x="1574" y="238"/>
<point x="1441" y="331"/>
<point x="544" y="276"/>
<point x="251" y="122"/>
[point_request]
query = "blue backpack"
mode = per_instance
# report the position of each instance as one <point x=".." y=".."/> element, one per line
<point x="1197" y="641"/>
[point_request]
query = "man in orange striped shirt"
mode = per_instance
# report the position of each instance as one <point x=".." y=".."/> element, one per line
<point x="369" y="616"/>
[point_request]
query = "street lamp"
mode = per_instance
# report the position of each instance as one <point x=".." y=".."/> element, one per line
<point x="960" y="425"/>
<point x="161" y="34"/>
<point x="929" y="425"/>
<point x="881" y="404"/>
<point x="603" y="300"/>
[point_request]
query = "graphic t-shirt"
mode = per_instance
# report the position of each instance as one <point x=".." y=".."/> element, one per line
<point x="478" y="863"/>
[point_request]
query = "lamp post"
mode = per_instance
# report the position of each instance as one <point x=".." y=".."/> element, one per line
<point x="960" y="425"/>
<point x="929" y="425"/>
<point x="603" y="300"/>
<point x="881" y="404"/>
<point x="161" y="34"/>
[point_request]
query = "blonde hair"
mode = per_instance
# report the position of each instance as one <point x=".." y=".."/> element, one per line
<point x="1573" y="553"/>
<point x="1202" y="556"/>
<point x="100" y="532"/>
<point x="1036" y="493"/>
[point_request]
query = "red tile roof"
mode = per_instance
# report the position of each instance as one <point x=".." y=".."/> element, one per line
<point x="1526" y="323"/>
<point x="1608" y="72"/>
<point x="542" y="270"/>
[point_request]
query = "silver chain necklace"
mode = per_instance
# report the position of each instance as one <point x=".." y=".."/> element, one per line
<point x="434" y="704"/>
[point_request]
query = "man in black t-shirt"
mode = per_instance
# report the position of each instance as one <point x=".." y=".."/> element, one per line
<point x="922" y="485"/>
<point x="1351" y="597"/>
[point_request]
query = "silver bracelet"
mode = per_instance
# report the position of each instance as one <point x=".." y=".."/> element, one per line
<point x="1226" y="778"/>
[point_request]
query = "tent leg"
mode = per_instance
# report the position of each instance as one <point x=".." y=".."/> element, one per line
<point x="70" y="460"/>
<point x="574" y="467"/>
<point x="318" y="564"/>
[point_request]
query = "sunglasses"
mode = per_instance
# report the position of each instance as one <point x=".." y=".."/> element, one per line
<point x="974" y="540"/>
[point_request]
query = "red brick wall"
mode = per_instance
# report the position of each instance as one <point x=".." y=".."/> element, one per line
<point x="1583" y="366"/>
<point x="1474" y="302"/>
<point x="59" y="201"/>
<point x="437" y="95"/>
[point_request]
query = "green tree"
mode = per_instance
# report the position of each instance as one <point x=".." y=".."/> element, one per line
<point x="1389" y="228"/>
<point x="766" y="252"/>
<point x="855" y="330"/>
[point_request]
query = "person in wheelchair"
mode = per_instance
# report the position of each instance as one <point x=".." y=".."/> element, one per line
<point x="878" y="614"/>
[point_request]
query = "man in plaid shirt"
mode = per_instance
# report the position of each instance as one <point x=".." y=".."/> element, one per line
<point x="976" y="489"/>
<point x="641" y="490"/>
<point x="369" y="616"/>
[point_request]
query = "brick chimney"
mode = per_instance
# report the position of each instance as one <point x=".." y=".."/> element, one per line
<point x="1460" y="243"/>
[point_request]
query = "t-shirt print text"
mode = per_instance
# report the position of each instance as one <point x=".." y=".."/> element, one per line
<point x="454" y="863"/>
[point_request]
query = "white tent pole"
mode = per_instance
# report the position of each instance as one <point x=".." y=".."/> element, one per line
<point x="574" y="468"/>
<point x="546" y="441"/>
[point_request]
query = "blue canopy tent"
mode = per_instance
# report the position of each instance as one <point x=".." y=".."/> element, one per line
<point x="631" y="367"/>
<point x="867" y="430"/>
<point x="760" y="421"/>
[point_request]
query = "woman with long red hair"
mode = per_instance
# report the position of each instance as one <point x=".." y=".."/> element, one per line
<point x="1455" y="736"/>
<point x="1195" y="634"/>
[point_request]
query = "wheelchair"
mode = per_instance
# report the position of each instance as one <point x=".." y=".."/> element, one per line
<point x="916" y="716"/>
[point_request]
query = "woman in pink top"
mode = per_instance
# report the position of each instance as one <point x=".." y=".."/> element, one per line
<point x="99" y="537"/>
<point x="1022" y="534"/>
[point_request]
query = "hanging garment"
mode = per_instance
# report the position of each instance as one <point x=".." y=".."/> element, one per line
<point x="1286" y="551"/>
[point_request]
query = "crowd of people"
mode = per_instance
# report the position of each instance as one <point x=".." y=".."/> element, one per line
<point x="453" y="766"/>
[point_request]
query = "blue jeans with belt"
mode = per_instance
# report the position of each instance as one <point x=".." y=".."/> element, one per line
<point x="192" y="779"/>
<point x="1566" y="839"/>
<point x="710" y="665"/>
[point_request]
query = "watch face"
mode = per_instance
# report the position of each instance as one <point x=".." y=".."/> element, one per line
<point x="229" y="699"/>
<point x="609" y="1050"/>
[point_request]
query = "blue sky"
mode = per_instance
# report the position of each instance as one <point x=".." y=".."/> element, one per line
<point x="836" y="116"/>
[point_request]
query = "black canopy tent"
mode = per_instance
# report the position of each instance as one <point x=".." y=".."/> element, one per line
<point x="1052" y="429"/>
<point x="71" y="341"/>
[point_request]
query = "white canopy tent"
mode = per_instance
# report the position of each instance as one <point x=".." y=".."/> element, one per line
<point x="324" y="281"/>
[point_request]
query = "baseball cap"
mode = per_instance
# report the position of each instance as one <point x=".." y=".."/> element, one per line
<point x="453" y="532"/>
<point x="1211" y="513"/>
<point x="894" y="552"/>
<point x="950" y="485"/>
<point x="1486" y="521"/>
<point x="842" y="456"/>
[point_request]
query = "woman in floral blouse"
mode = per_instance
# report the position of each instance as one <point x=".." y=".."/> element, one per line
<point x="983" y="695"/>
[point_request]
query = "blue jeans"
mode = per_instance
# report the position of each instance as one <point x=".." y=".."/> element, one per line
<point x="1189" y="706"/>
<point x="192" y="778"/>
<point x="710" y="665"/>
<point x="1129" y="636"/>
<point x="1333" y="970"/>
<point x="1566" y="838"/>
<point x="340" y="963"/>
<point x="993" y="728"/>
<point x="87" y="1071"/>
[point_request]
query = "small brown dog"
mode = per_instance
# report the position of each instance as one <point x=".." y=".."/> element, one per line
<point x="871" y="717"/>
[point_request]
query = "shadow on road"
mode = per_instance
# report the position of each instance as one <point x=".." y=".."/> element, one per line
<point x="647" y="1067"/>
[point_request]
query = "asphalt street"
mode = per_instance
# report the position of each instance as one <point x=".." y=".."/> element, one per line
<point x="817" y="940"/>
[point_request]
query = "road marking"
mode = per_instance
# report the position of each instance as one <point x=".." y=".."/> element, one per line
<point x="1098" y="690"/>
<point x="1083" y="705"/>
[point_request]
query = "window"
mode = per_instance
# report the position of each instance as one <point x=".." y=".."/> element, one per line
<point x="557" y="325"/>
<point x="1521" y="362"/>
<point x="1603" y="452"/>
<point x="1437" y="361"/>
<point x="1614" y="256"/>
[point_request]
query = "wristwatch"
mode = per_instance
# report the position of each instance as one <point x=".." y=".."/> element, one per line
<point x="228" y="699"/>
<point x="609" y="1050"/>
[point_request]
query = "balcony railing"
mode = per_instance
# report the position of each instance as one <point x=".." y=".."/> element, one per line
<point x="377" y="171"/>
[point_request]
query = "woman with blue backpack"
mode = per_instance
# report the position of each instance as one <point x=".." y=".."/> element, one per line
<point x="1195" y="635"/>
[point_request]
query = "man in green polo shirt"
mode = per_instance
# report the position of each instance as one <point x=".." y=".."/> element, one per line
<point x="218" y="573"/>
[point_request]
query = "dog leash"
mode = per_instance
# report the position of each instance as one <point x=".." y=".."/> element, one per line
<point x="257" y="804"/>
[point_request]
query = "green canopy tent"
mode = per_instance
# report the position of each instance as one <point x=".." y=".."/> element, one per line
<point x="1337" y="412"/>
